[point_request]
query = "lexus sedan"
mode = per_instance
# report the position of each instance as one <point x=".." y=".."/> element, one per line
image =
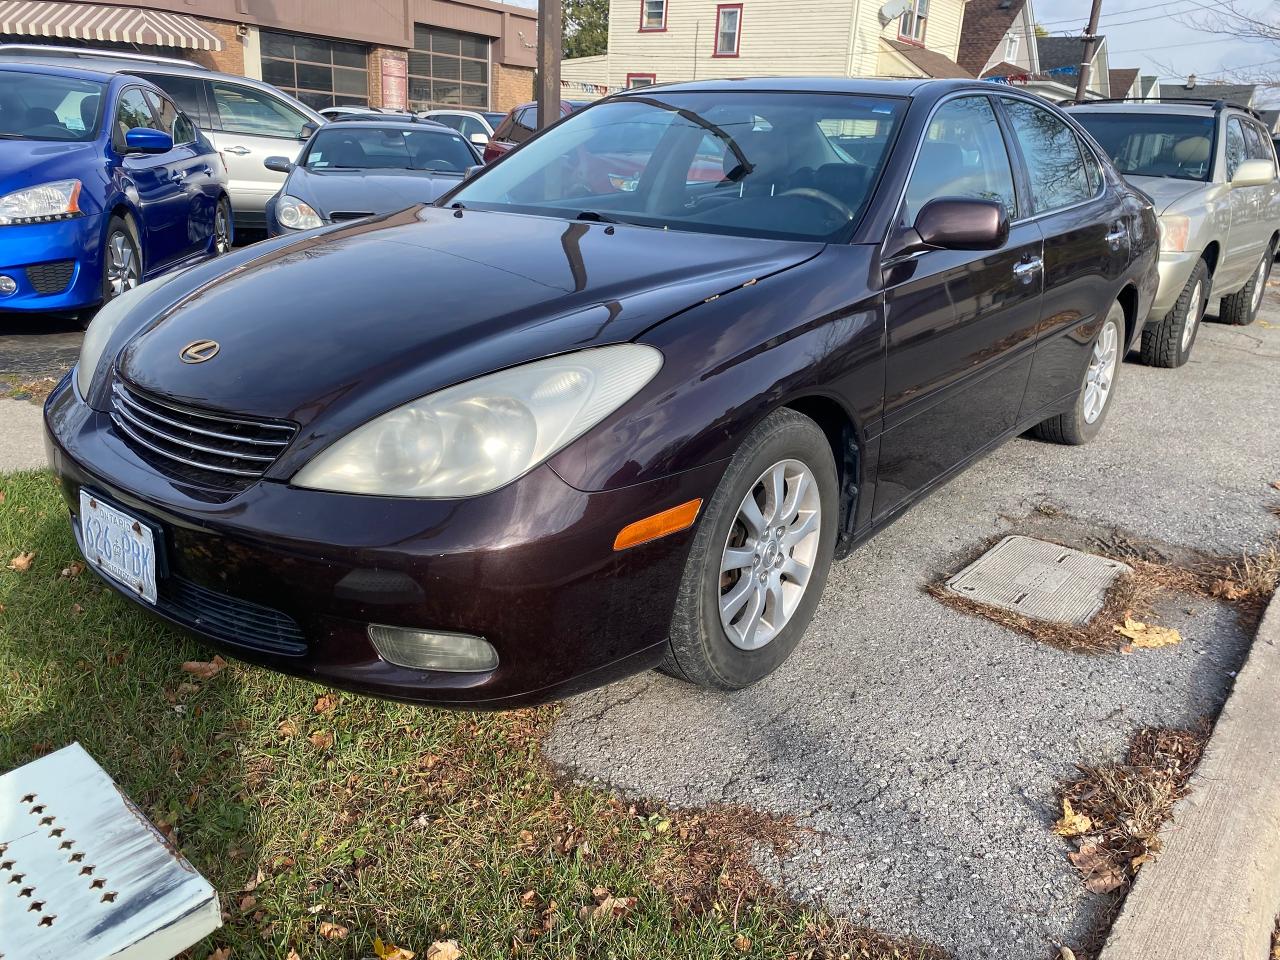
<point x="553" y="429"/>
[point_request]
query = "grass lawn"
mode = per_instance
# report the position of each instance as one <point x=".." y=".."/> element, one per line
<point x="327" y="820"/>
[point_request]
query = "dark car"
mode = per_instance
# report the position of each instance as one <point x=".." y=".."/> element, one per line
<point x="531" y="439"/>
<point x="519" y="125"/>
<point x="103" y="183"/>
<point x="356" y="167"/>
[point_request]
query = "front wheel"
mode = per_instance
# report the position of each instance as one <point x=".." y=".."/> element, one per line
<point x="1241" y="308"/>
<point x="1083" y="421"/>
<point x="223" y="232"/>
<point x="1169" y="342"/>
<point x="121" y="260"/>
<point x="760" y="558"/>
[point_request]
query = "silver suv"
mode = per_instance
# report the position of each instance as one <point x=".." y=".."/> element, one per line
<point x="1210" y="169"/>
<point x="247" y="120"/>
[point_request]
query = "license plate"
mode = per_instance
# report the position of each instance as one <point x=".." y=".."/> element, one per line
<point x="118" y="545"/>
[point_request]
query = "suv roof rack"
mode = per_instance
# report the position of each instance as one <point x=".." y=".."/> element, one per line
<point x="1218" y="104"/>
<point x="92" y="53"/>
<point x="387" y="118"/>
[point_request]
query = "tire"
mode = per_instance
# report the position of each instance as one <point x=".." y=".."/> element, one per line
<point x="1241" y="308"/>
<point x="121" y="258"/>
<point x="223" y="228"/>
<point x="700" y="649"/>
<point x="1168" y="343"/>
<point x="1084" y="420"/>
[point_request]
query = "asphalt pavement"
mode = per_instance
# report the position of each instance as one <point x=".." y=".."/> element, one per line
<point x="919" y="748"/>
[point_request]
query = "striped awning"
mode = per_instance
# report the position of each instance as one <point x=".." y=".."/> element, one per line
<point x="102" y="22"/>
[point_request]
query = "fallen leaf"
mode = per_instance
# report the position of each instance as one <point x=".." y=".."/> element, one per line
<point x="73" y="571"/>
<point x="293" y="955"/>
<point x="77" y="609"/>
<point x="612" y="907"/>
<point x="222" y="953"/>
<point x="332" y="931"/>
<point x="529" y="898"/>
<point x="742" y="943"/>
<point x="315" y="908"/>
<point x="326" y="704"/>
<point x="444" y="950"/>
<point x="204" y="670"/>
<point x="187" y="688"/>
<point x="1100" y="874"/>
<point x="1227" y="590"/>
<point x="389" y="951"/>
<point x="321" y="739"/>
<point x="1148" y="635"/>
<point x="1066" y="953"/>
<point x="247" y="904"/>
<point x="1072" y="824"/>
<point x="253" y="883"/>
<point x="287" y="729"/>
<point x="2" y="495"/>
<point x="22" y="562"/>
<point x="1274" y="483"/>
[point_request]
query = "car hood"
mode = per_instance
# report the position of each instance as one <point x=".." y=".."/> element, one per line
<point x="331" y="329"/>
<point x="365" y="191"/>
<point x="1166" y="191"/>
<point x="25" y="163"/>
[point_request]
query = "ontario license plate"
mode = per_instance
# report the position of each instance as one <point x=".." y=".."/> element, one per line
<point x="118" y="545"/>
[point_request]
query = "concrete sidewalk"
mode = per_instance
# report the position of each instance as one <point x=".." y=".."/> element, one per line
<point x="21" y="436"/>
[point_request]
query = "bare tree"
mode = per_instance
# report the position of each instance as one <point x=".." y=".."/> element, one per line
<point x="1235" y="18"/>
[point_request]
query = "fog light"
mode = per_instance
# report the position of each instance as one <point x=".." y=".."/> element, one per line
<point x="7" y="286"/>
<point x="425" y="650"/>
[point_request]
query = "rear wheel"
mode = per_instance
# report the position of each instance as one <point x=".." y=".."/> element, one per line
<point x="121" y="259"/>
<point x="1241" y="308"/>
<point x="1085" y="418"/>
<point x="1169" y="343"/>
<point x="760" y="558"/>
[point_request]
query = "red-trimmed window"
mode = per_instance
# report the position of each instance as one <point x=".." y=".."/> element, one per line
<point x="728" y="29"/>
<point x="912" y="26"/>
<point x="653" y="16"/>
<point x="641" y="80"/>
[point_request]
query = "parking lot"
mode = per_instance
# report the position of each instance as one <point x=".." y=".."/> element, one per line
<point x="919" y="748"/>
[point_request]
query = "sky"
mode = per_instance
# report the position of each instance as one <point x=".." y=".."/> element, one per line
<point x="1157" y="37"/>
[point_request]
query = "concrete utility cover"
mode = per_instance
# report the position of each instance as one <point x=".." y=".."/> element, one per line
<point x="1039" y="580"/>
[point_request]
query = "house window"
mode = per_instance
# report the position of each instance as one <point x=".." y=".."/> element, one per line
<point x="728" y="29"/>
<point x="914" y="22"/>
<point x="448" y="69"/>
<point x="320" y="73"/>
<point x="653" y="15"/>
<point x="1011" y="48"/>
<point x="640" y="80"/>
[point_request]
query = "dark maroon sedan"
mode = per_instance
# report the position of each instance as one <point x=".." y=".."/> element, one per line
<point x="554" y="430"/>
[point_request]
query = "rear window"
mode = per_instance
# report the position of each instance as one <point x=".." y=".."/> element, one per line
<point x="346" y="147"/>
<point x="1154" y="144"/>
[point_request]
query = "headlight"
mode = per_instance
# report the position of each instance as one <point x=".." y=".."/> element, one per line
<point x="296" y="215"/>
<point x="1174" y="231"/>
<point x="105" y="324"/>
<point x="480" y="435"/>
<point x="59" y="200"/>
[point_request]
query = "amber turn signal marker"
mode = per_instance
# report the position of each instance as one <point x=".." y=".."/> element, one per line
<point x="659" y="525"/>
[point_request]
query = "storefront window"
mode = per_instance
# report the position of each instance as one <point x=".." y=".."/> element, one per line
<point x="448" y="69"/>
<point x="321" y="73"/>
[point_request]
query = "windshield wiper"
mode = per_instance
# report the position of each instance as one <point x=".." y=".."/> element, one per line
<point x="595" y="216"/>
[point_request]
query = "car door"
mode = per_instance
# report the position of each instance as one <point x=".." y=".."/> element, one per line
<point x="1262" y="210"/>
<point x="961" y="324"/>
<point x="1086" y="229"/>
<point x="249" y="126"/>
<point x="191" y="170"/>
<point x="1249" y="233"/>
<point x="157" y="186"/>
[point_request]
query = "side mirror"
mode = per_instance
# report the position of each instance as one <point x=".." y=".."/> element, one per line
<point x="308" y="129"/>
<point x="1254" y="173"/>
<point x="146" y="140"/>
<point x="479" y="139"/>
<point x="952" y="223"/>
<point x="472" y="171"/>
<point x="278" y="164"/>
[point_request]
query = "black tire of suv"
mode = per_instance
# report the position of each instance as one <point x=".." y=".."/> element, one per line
<point x="1162" y="343"/>
<point x="1238" y="309"/>
<point x="1071" y="428"/>
<point x="698" y="648"/>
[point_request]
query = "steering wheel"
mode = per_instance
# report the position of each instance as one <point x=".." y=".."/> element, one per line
<point x="822" y="197"/>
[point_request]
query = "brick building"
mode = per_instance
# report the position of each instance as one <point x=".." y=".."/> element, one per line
<point x="383" y="53"/>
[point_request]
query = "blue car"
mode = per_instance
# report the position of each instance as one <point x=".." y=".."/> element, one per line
<point x="104" y="183"/>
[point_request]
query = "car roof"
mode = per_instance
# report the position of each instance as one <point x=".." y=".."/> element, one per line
<point x="56" y="70"/>
<point x="357" y="123"/>
<point x="1186" y="109"/>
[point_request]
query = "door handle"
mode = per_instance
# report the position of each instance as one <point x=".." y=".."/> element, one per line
<point x="1117" y="237"/>
<point x="1027" y="270"/>
<point x="238" y="151"/>
<point x="178" y="176"/>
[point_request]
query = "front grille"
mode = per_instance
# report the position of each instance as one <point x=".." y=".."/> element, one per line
<point x="53" y="277"/>
<point x="232" y="621"/>
<point x="340" y="216"/>
<point x="200" y="446"/>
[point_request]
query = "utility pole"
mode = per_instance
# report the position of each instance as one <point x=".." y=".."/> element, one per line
<point x="550" y="48"/>
<point x="1090" y="45"/>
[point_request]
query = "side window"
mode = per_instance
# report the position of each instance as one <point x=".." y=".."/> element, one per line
<point x="449" y="120"/>
<point x="166" y="111"/>
<point x="251" y="111"/>
<point x="1055" y="163"/>
<point x="187" y="93"/>
<point x="184" y="131"/>
<point x="1092" y="170"/>
<point x="526" y="122"/>
<point x="132" y="111"/>
<point x="1237" y="146"/>
<point x="1259" y="143"/>
<point x="963" y="155"/>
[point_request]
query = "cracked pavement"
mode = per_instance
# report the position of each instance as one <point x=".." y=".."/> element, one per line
<point x="919" y="748"/>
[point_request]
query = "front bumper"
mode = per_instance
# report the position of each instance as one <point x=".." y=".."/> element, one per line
<point x="38" y="255"/>
<point x="1175" y="271"/>
<point x="531" y="568"/>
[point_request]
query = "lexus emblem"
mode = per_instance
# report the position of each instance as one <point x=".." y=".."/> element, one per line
<point x="198" y="351"/>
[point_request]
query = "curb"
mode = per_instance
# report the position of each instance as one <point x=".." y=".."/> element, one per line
<point x="1214" y="890"/>
<point x="21" y="436"/>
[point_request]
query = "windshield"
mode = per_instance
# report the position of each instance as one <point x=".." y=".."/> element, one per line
<point x="1154" y="144"/>
<point x="40" y="106"/>
<point x="393" y="147"/>
<point x="795" y="166"/>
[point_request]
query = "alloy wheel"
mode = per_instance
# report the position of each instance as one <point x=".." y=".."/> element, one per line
<point x="1259" y="286"/>
<point x="122" y="264"/>
<point x="1194" y="318"/>
<point x="1102" y="371"/>
<point x="770" y="553"/>
<point x="221" y="231"/>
